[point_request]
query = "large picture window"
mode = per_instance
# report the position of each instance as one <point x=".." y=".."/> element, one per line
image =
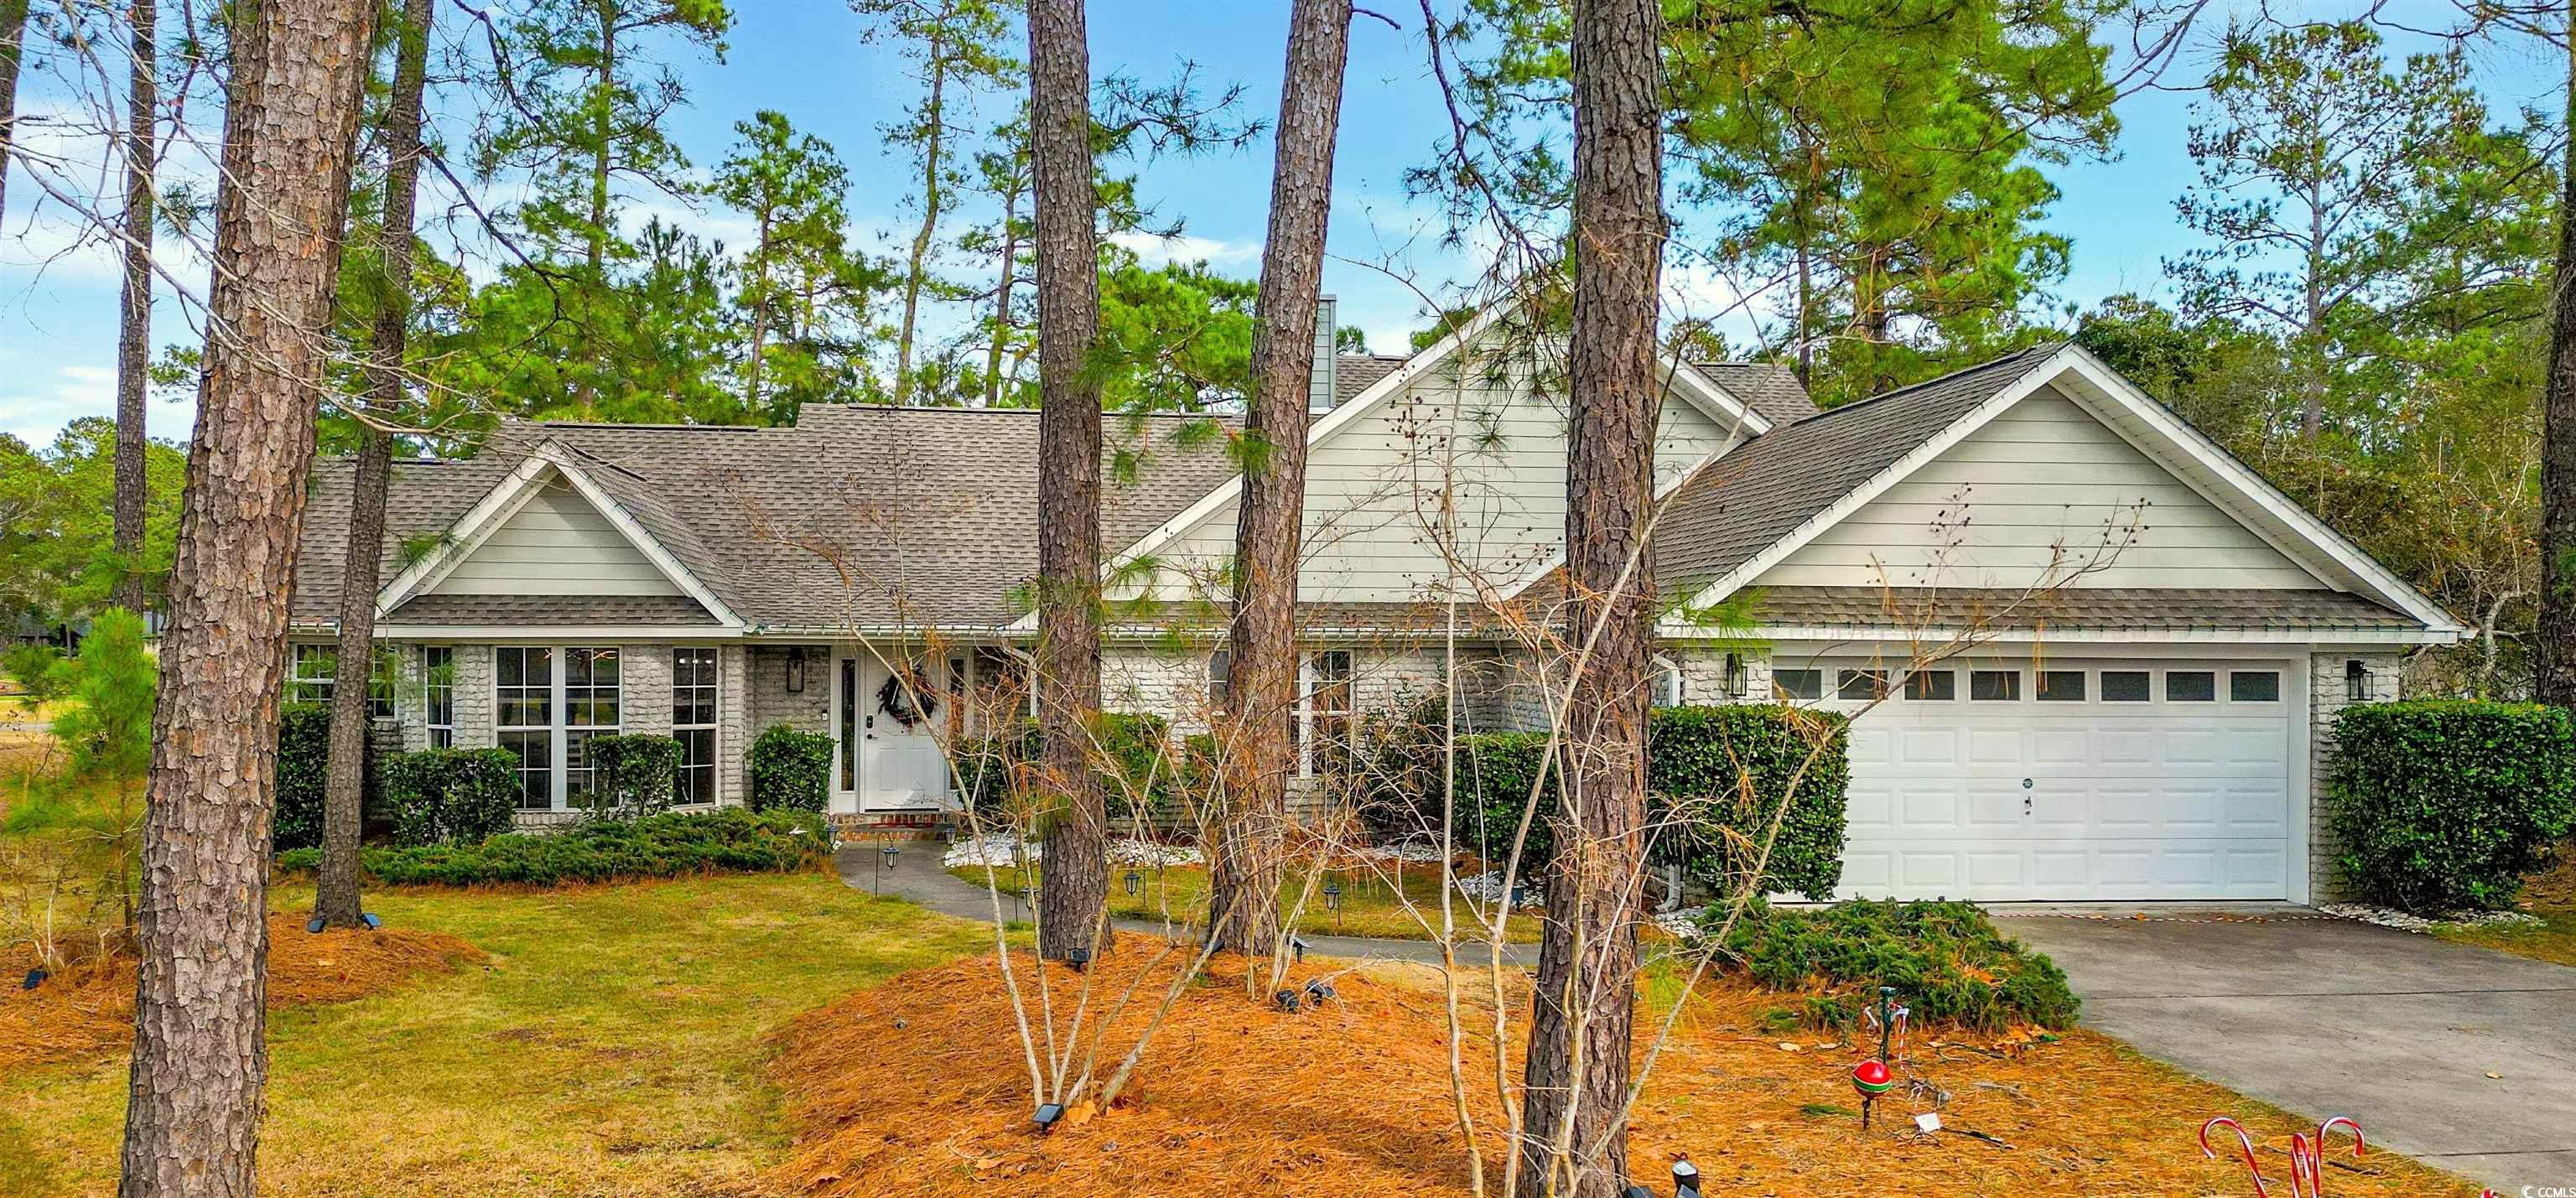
<point x="693" y="723"/>
<point x="313" y="678"/>
<point x="547" y="704"/>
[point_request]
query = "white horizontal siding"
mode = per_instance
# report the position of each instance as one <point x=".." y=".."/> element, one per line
<point x="2042" y="483"/>
<point x="557" y="544"/>
<point x="1373" y="490"/>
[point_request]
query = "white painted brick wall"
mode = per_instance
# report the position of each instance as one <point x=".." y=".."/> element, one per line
<point x="474" y="697"/>
<point x="2329" y="692"/>
<point x="734" y="727"/>
<point x="770" y="703"/>
<point x="644" y="689"/>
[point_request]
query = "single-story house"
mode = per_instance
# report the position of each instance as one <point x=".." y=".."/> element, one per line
<point x="2161" y="640"/>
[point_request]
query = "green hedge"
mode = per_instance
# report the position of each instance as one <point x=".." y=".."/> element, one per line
<point x="303" y="774"/>
<point x="1946" y="960"/>
<point x="2445" y="805"/>
<point x="451" y="796"/>
<point x="632" y="775"/>
<point x="790" y="770"/>
<point x="675" y="844"/>
<point x="1697" y="761"/>
<point x="1139" y="759"/>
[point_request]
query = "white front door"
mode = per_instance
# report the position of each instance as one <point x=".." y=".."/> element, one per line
<point x="2070" y="781"/>
<point x="879" y="763"/>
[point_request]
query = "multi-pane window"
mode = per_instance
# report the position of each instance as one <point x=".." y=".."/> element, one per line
<point x="1324" y="723"/>
<point x="314" y="679"/>
<point x="590" y="707"/>
<point x="523" y="721"/>
<point x="1798" y="684"/>
<point x="1669" y="690"/>
<point x="547" y="704"/>
<point x="693" y="723"/>
<point x="438" y="694"/>
<point x="1220" y="688"/>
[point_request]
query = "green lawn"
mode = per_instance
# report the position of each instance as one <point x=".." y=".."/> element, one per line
<point x="614" y="1046"/>
<point x="2549" y="894"/>
<point x="1369" y="906"/>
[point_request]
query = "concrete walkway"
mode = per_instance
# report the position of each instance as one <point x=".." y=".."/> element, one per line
<point x="918" y="876"/>
<point x="2460" y="1057"/>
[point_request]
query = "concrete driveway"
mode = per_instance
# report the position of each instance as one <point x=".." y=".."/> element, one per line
<point x="2461" y="1057"/>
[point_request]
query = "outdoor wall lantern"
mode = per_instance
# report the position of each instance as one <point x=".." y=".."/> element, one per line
<point x="2356" y="681"/>
<point x="1736" y="686"/>
<point x="796" y="670"/>
<point x="1135" y="883"/>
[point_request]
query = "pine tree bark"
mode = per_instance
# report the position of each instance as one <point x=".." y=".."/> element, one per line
<point x="1584" y="998"/>
<point x="335" y="900"/>
<point x="2557" y="630"/>
<point x="1075" y="884"/>
<point x="134" y="303"/>
<point x="200" y="1060"/>
<point x="13" y="32"/>
<point x="1269" y="526"/>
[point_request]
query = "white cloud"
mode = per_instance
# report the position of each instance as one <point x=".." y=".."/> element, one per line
<point x="1156" y="251"/>
<point x="37" y="409"/>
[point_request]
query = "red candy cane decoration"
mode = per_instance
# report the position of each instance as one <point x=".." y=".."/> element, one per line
<point x="2253" y="1165"/>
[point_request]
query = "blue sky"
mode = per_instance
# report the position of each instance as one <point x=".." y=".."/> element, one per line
<point x="808" y="59"/>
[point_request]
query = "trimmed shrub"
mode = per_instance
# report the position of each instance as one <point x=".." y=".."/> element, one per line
<point x="2444" y="805"/>
<point x="303" y="771"/>
<point x="1136" y="758"/>
<point x="1946" y="961"/>
<point x="452" y="796"/>
<point x="670" y="845"/>
<point x="632" y="775"/>
<point x="790" y="770"/>
<point x="1717" y="772"/>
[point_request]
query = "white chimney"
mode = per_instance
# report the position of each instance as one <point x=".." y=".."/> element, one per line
<point x="1319" y="390"/>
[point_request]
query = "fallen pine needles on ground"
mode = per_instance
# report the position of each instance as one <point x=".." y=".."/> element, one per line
<point x="88" y="1009"/>
<point x="917" y="1087"/>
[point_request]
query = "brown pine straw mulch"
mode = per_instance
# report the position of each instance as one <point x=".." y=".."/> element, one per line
<point x="918" y="1087"/>
<point x="87" y="1010"/>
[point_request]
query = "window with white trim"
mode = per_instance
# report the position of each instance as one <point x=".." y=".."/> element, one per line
<point x="693" y="723"/>
<point x="438" y="694"/>
<point x="1798" y="684"/>
<point x="1669" y="689"/>
<point x="313" y="678"/>
<point x="1324" y="712"/>
<point x="547" y="704"/>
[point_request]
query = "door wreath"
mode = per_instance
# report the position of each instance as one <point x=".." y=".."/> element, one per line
<point x="906" y="705"/>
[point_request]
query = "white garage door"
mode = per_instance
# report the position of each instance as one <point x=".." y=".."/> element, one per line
<point x="2067" y="781"/>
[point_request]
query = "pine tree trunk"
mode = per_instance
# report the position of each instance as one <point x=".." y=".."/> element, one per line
<point x="1075" y="884"/>
<point x="1584" y="996"/>
<point x="2557" y="630"/>
<point x="335" y="900"/>
<point x="13" y="31"/>
<point x="200" y="1060"/>
<point x="134" y="304"/>
<point x="930" y="201"/>
<point x="1245" y="870"/>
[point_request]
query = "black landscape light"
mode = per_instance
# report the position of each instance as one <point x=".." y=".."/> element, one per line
<point x="1024" y="899"/>
<point x="1079" y="957"/>
<point x="1287" y="1000"/>
<point x="315" y="925"/>
<point x="1318" y="992"/>
<point x="1297" y="944"/>
<point x="369" y="918"/>
<point x="891" y="852"/>
<point x="35" y="977"/>
<point x="1332" y="896"/>
<point x="1685" y="1180"/>
<point x="1135" y="883"/>
<point x="1048" y="1114"/>
<point x="1635" y="1191"/>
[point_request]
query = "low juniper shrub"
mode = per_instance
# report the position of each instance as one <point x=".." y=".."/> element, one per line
<point x="670" y="845"/>
<point x="1946" y="960"/>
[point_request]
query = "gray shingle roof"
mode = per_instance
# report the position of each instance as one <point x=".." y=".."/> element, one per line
<point x="1355" y="373"/>
<point x="2104" y="609"/>
<point x="1771" y="390"/>
<point x="1743" y="503"/>
<point x="529" y="611"/>
<point x="866" y="513"/>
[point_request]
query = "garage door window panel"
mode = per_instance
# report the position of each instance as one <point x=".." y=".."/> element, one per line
<point x="2191" y="686"/>
<point x="2061" y="686"/>
<point x="1862" y="685"/>
<point x="1798" y="684"/>
<point x="2254" y="686"/>
<point x="1994" y="686"/>
<point x="1932" y="686"/>
<point x="2126" y="686"/>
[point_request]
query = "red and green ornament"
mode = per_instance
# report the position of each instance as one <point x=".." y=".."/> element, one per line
<point x="1871" y="1078"/>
